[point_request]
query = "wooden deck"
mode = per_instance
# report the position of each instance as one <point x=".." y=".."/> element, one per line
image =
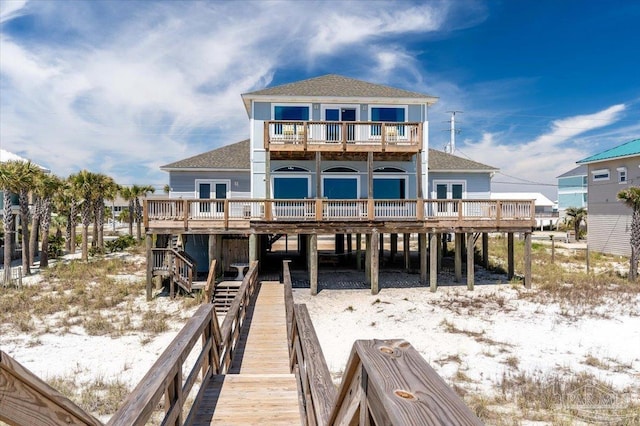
<point x="259" y="388"/>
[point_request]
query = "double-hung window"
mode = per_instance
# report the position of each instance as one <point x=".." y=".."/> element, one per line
<point x="622" y="174"/>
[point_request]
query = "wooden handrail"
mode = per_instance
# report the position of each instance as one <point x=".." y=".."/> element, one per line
<point x="165" y="376"/>
<point x="210" y="285"/>
<point x="27" y="400"/>
<point x="387" y="381"/>
<point x="307" y="361"/>
<point x="233" y="320"/>
<point x="391" y="383"/>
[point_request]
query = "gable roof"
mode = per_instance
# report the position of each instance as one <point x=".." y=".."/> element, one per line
<point x="236" y="157"/>
<point x="443" y="162"/>
<point x="628" y="149"/>
<point x="335" y="86"/>
<point x="581" y="170"/>
<point x="228" y="157"/>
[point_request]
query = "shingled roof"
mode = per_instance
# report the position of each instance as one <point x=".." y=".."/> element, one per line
<point x="236" y="157"/>
<point x="229" y="157"/>
<point x="336" y="86"/>
<point x="443" y="162"/>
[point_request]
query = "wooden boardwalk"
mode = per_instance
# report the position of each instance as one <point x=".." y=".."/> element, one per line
<point x="259" y="388"/>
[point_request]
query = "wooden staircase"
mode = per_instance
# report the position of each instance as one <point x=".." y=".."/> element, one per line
<point x="223" y="295"/>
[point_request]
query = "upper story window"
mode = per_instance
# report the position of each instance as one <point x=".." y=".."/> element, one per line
<point x="388" y="114"/>
<point x="600" y="175"/>
<point x="622" y="174"/>
<point x="290" y="113"/>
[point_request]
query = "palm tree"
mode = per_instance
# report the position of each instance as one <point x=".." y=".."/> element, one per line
<point x="6" y="184"/>
<point x="127" y="195"/>
<point x="24" y="176"/>
<point x="577" y="215"/>
<point x="47" y="188"/>
<point x="106" y="188"/>
<point x="36" y="215"/>
<point x="84" y="184"/>
<point x="66" y="204"/>
<point x="631" y="197"/>
<point x="140" y="191"/>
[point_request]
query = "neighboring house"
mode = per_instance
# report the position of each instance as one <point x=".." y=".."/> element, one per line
<point x="546" y="211"/>
<point x="609" y="172"/>
<point x="453" y="177"/>
<point x="9" y="156"/>
<point x="572" y="189"/>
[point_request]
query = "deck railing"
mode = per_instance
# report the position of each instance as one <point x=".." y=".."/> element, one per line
<point x="386" y="382"/>
<point x="349" y="136"/>
<point x="178" y="265"/>
<point x="228" y="211"/>
<point x="213" y="357"/>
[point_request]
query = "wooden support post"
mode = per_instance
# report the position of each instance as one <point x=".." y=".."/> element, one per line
<point x="441" y="249"/>
<point x="527" y="259"/>
<point x="375" y="263"/>
<point x="318" y="177"/>
<point x="253" y="247"/>
<point x="433" y="261"/>
<point x="367" y="258"/>
<point x="510" y="264"/>
<point x="148" y="246"/>
<point x="381" y="236"/>
<point x="313" y="264"/>
<point x="359" y="252"/>
<point x="458" y="257"/>
<point x="349" y="244"/>
<point x="339" y="243"/>
<point x="267" y="178"/>
<point x="485" y="250"/>
<point x="406" y="245"/>
<point x="394" y="246"/>
<point x="422" y="237"/>
<point x="470" y="267"/>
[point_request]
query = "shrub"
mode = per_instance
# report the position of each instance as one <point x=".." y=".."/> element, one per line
<point x="56" y="244"/>
<point x="121" y="243"/>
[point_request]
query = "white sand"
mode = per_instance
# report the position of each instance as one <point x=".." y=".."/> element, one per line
<point x="494" y="325"/>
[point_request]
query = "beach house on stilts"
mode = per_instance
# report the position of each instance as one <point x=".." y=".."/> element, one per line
<point x="330" y="156"/>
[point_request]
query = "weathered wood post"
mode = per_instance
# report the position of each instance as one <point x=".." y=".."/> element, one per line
<point x="313" y="264"/>
<point x="406" y="241"/>
<point x="485" y="250"/>
<point x="148" y="244"/>
<point x="375" y="262"/>
<point x="527" y="259"/>
<point x="393" y="249"/>
<point x="359" y="252"/>
<point x="433" y="261"/>
<point x="510" y="263"/>
<point x="422" y="237"/>
<point x="367" y="258"/>
<point x="553" y="250"/>
<point x="458" y="257"/>
<point x="470" y="267"/>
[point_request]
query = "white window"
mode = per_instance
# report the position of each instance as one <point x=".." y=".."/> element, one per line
<point x="622" y="174"/>
<point x="600" y="175"/>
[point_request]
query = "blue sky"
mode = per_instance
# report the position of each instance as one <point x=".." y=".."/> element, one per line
<point x="123" y="87"/>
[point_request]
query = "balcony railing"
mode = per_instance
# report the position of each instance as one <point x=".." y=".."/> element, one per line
<point x="347" y="136"/>
<point x="230" y="212"/>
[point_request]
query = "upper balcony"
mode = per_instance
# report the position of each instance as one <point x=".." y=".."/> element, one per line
<point x="342" y="136"/>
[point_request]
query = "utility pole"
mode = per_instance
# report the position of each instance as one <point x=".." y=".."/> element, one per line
<point x="452" y="141"/>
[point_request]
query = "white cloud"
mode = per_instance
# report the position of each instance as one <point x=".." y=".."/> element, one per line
<point x="122" y="90"/>
<point x="534" y="165"/>
<point x="10" y="9"/>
